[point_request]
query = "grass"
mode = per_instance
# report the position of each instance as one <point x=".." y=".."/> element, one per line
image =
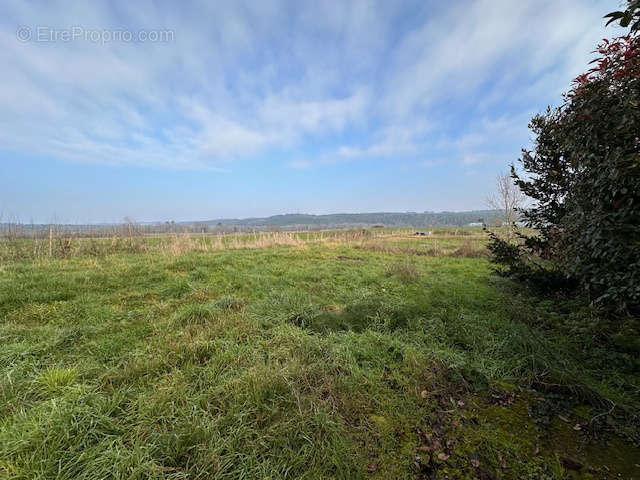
<point x="366" y="357"/>
<point x="25" y="245"/>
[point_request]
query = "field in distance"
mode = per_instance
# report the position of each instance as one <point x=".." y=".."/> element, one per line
<point x="371" y="353"/>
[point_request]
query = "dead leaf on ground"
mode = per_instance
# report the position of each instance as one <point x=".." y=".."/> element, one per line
<point x="372" y="467"/>
<point x="430" y="448"/>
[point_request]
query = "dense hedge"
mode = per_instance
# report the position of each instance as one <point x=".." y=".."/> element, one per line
<point x="584" y="178"/>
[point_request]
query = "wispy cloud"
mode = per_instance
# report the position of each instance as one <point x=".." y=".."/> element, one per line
<point x="340" y="81"/>
<point x="300" y="164"/>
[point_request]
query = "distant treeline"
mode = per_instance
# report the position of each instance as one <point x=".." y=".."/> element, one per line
<point x="287" y="222"/>
<point x="386" y="219"/>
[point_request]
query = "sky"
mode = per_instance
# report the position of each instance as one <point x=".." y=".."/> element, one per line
<point x="164" y="110"/>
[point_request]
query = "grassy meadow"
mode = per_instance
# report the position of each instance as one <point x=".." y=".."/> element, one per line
<point x="364" y="354"/>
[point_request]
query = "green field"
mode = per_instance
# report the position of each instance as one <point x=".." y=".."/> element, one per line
<point x="361" y="355"/>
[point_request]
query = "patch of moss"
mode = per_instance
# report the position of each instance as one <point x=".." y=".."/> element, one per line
<point x="558" y="450"/>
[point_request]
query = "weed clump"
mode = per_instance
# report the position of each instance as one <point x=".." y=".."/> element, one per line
<point x="194" y="315"/>
<point x="54" y="379"/>
<point x="229" y="302"/>
<point x="177" y="288"/>
<point x="469" y="250"/>
<point x="405" y="271"/>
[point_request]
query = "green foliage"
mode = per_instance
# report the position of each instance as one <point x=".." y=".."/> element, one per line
<point x="515" y="259"/>
<point x="584" y="176"/>
<point x="630" y="17"/>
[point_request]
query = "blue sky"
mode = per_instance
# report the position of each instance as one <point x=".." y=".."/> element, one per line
<point x="252" y="108"/>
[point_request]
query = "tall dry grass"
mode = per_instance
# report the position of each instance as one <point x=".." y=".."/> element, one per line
<point x="21" y="242"/>
<point x="31" y="242"/>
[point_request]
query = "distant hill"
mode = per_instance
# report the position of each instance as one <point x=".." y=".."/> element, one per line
<point x="335" y="220"/>
<point x="290" y="221"/>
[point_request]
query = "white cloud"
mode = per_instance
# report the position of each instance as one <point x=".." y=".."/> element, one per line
<point x="472" y="159"/>
<point x="283" y="115"/>
<point x="451" y="54"/>
<point x="402" y="138"/>
<point x="352" y="80"/>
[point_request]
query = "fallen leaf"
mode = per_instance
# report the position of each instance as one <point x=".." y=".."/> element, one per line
<point x="502" y="461"/>
<point x="475" y="463"/>
<point x="460" y="403"/>
<point x="443" y="456"/>
<point x="564" y="419"/>
<point x="431" y="448"/>
<point x="424" y="394"/>
<point x="577" y="427"/>
<point x="372" y="467"/>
